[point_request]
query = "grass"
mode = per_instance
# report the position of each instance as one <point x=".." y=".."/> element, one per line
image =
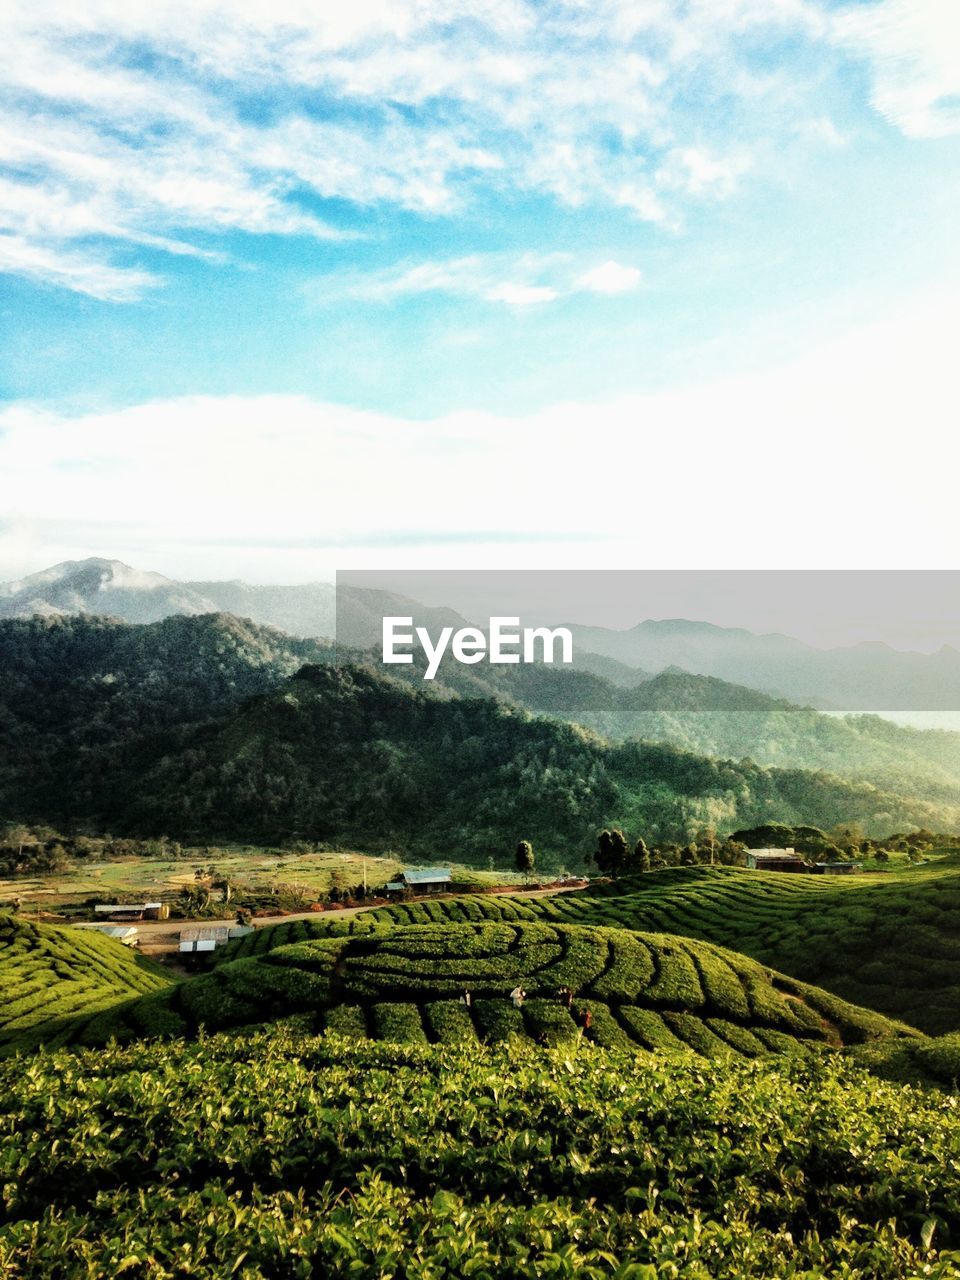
<point x="255" y="871"/>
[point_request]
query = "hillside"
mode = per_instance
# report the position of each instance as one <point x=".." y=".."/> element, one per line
<point x="646" y="990"/>
<point x="280" y="1154"/>
<point x="345" y="754"/>
<point x="50" y="978"/>
<point x="80" y="696"/>
<point x="716" y="718"/>
<point x="892" y="946"/>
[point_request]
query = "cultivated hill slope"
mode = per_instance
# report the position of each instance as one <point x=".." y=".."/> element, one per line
<point x="892" y="945"/>
<point x="405" y="984"/>
<point x="50" y="978"/>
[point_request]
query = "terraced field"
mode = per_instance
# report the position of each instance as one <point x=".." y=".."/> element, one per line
<point x="374" y="981"/>
<point x="891" y="945"/>
<point x="50" y="978"/>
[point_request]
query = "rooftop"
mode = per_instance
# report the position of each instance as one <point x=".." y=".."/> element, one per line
<point x="441" y="876"/>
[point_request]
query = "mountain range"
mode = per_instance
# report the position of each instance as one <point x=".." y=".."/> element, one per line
<point x="212" y="727"/>
<point x="862" y="677"/>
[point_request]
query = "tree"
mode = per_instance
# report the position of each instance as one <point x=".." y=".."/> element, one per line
<point x="641" y="855"/>
<point x="707" y="838"/>
<point x="603" y="856"/>
<point x="613" y="853"/>
<point x="525" y="858"/>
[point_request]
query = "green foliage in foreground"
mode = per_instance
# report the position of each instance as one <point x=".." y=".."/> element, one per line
<point x="289" y="1156"/>
<point x="892" y="946"/>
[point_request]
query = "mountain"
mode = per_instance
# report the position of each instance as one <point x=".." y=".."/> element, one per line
<point x="112" y="589"/>
<point x="351" y="758"/>
<point x="715" y="717"/>
<point x="104" y="587"/>
<point x="78" y="695"/>
<point x="862" y="677"/>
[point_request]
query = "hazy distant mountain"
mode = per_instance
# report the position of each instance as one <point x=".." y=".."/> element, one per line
<point x="863" y="677"/>
<point x="111" y="588"/>
<point x="868" y="676"/>
<point x="105" y="587"/>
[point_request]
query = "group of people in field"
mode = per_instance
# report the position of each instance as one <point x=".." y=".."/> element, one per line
<point x="518" y="995"/>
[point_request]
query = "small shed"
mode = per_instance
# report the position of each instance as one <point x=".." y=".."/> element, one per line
<point x="133" y="910"/>
<point x="775" y="860"/>
<point x="128" y="934"/>
<point x="207" y="937"/>
<point x="429" y="880"/>
<point x="838" y="868"/>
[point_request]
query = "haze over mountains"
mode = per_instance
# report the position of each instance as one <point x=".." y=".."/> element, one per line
<point x="213" y="726"/>
<point x="866" y="676"/>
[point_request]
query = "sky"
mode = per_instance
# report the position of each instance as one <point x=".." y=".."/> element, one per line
<point x="287" y="288"/>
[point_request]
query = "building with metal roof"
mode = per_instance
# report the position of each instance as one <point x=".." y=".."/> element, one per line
<point x="207" y="937"/>
<point x="775" y="860"/>
<point x="128" y="934"/>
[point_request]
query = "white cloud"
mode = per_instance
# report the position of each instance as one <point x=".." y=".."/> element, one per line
<point x="914" y="49"/>
<point x="74" y="271"/>
<point x="283" y="487"/>
<point x="527" y="280"/>
<point x="411" y="103"/>
<point x="611" y="278"/>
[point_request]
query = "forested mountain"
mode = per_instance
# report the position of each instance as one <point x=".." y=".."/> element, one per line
<point x="191" y="726"/>
<point x="856" y="678"/>
<point x="714" y="717"/>
<point x="77" y="695"/>
<point x="343" y="754"/>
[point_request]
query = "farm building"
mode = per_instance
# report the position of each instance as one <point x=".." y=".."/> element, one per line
<point x="128" y="934"/>
<point x="433" y="880"/>
<point x="207" y="937"/>
<point x="133" y="910"/>
<point x="837" y="868"/>
<point x="775" y="860"/>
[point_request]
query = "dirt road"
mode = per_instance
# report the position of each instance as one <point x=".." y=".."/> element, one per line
<point x="159" y="937"/>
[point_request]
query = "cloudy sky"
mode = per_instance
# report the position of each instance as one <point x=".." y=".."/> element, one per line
<point x="651" y="283"/>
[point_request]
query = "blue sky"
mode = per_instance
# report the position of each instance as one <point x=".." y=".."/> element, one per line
<point x="428" y="228"/>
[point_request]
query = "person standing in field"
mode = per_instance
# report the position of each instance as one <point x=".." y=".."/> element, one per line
<point x="466" y="998"/>
<point x="518" y="995"/>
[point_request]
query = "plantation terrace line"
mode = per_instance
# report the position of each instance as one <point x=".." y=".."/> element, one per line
<point x="470" y="645"/>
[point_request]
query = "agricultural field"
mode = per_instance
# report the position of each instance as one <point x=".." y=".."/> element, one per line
<point x="888" y="943"/>
<point x="258" y="871"/>
<point x="282" y="1154"/>
<point x="259" y="877"/>
<point x="51" y="979"/>
<point x="404" y="985"/>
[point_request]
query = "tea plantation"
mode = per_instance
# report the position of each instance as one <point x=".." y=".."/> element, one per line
<point x="281" y="1154"/>
<point x="50" y="978"/>
<point x="405" y="984"/>
<point x="892" y="946"/>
